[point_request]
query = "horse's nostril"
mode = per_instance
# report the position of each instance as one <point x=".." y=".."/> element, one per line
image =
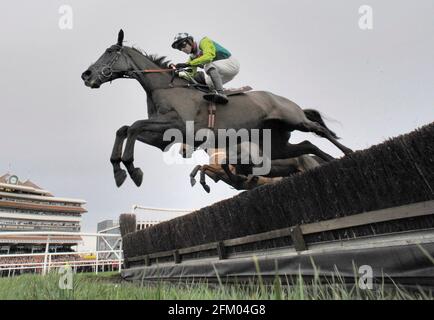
<point x="86" y="74"/>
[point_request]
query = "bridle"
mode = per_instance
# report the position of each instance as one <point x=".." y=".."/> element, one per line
<point x="107" y="69"/>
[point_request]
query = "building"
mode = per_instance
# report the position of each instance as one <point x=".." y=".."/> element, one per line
<point x="24" y="206"/>
<point x="109" y="227"/>
<point x="112" y="227"/>
<point x="142" y="222"/>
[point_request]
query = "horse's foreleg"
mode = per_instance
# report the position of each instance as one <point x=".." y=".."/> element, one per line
<point x="115" y="159"/>
<point x="147" y="131"/>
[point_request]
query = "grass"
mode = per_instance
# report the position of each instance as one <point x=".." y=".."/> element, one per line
<point x="109" y="286"/>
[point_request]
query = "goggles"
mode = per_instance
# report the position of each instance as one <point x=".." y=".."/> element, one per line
<point x="182" y="44"/>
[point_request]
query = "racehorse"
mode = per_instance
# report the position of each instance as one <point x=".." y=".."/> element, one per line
<point x="240" y="180"/>
<point x="173" y="101"/>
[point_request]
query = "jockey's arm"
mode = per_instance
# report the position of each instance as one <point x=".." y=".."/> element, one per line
<point x="208" y="53"/>
<point x="189" y="73"/>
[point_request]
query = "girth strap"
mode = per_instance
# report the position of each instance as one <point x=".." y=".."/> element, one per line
<point x="211" y="115"/>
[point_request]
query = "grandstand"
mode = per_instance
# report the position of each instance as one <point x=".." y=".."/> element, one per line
<point x="34" y="223"/>
<point x="24" y="206"/>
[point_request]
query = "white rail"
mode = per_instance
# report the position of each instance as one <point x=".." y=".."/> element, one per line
<point x="47" y="264"/>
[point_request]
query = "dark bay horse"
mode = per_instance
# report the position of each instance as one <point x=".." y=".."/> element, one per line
<point x="171" y="103"/>
<point x="245" y="181"/>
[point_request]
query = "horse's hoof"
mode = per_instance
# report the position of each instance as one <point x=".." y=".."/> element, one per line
<point x="192" y="181"/>
<point x="120" y="177"/>
<point x="137" y="176"/>
<point x="348" y="151"/>
<point x="206" y="188"/>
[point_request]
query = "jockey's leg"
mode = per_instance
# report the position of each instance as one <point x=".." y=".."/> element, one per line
<point x="220" y="72"/>
<point x="227" y="68"/>
<point x="218" y="96"/>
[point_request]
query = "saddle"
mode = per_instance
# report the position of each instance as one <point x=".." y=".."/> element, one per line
<point x="212" y="105"/>
<point x="198" y="83"/>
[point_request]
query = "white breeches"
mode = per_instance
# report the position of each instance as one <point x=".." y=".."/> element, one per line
<point x="227" y="68"/>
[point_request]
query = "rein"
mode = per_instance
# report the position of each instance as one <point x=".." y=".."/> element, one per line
<point x="171" y="85"/>
<point x="155" y="70"/>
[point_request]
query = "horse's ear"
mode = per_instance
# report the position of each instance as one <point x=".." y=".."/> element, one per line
<point x="120" y="37"/>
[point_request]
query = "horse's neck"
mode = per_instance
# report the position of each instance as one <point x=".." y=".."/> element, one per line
<point x="150" y="81"/>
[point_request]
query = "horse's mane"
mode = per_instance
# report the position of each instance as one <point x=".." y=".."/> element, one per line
<point x="158" y="60"/>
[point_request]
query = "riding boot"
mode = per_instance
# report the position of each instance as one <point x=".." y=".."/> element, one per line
<point x="217" y="96"/>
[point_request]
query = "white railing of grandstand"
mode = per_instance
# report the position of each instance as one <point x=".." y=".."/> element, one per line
<point x="48" y="263"/>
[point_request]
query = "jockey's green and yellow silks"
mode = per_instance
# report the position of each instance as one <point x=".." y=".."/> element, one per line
<point x="209" y="51"/>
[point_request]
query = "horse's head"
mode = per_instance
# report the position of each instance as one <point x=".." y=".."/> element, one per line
<point x="111" y="65"/>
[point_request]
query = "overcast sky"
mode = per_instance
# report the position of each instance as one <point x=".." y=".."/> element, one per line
<point x="375" y="83"/>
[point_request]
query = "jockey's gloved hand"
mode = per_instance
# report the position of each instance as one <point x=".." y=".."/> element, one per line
<point x="181" y="65"/>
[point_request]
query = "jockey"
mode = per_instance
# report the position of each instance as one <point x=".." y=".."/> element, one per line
<point x="219" y="65"/>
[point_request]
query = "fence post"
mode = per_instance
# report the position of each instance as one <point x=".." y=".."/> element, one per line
<point x="47" y="246"/>
<point x="96" y="263"/>
<point x="120" y="260"/>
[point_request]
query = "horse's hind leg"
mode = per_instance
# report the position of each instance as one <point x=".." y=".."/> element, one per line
<point x="283" y="167"/>
<point x="214" y="171"/>
<point x="287" y="167"/>
<point x="299" y="149"/>
<point x="115" y="159"/>
<point x="311" y="126"/>
<point x="202" y="179"/>
<point x="204" y="170"/>
<point x="193" y="175"/>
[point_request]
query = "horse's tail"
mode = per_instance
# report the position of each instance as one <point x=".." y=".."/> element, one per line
<point x="315" y="116"/>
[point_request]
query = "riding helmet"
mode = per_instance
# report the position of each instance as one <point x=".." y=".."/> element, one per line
<point x="181" y="37"/>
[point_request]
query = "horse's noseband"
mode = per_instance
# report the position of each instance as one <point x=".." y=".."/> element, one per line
<point x="107" y="69"/>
